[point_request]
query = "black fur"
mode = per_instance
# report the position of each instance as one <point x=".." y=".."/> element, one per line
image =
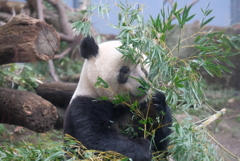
<point x="160" y="105"/>
<point x="123" y="75"/>
<point x="88" y="47"/>
<point x="96" y="125"/>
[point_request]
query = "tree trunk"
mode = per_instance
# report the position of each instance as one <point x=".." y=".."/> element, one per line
<point x="26" y="109"/>
<point x="25" y="39"/>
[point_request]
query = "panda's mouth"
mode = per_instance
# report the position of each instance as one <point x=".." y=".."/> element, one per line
<point x="141" y="92"/>
<point x="139" y="96"/>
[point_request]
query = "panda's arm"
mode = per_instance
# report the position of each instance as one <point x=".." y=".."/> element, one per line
<point x="93" y="125"/>
<point x="163" y="120"/>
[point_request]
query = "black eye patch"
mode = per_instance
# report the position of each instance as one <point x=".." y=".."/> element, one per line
<point x="123" y="74"/>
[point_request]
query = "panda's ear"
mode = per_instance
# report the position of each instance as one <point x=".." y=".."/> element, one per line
<point x="88" y="47"/>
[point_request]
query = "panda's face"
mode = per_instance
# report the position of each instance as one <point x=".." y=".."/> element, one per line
<point x="128" y="81"/>
<point x="120" y="75"/>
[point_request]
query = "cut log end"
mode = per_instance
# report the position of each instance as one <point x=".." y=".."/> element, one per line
<point x="25" y="39"/>
<point x="47" y="42"/>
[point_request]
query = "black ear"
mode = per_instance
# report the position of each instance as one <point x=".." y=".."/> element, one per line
<point x="88" y="47"/>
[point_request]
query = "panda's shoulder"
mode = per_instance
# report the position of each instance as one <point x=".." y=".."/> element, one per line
<point x="81" y="101"/>
<point x="88" y="102"/>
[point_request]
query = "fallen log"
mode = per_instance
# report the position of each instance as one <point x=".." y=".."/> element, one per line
<point x="70" y="78"/>
<point x="59" y="94"/>
<point x="25" y="39"/>
<point x="26" y="109"/>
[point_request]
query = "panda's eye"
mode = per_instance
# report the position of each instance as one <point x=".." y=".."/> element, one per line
<point x="124" y="70"/>
<point x="123" y="75"/>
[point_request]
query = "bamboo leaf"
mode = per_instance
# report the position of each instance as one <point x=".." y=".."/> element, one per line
<point x="206" y="22"/>
<point x="189" y="18"/>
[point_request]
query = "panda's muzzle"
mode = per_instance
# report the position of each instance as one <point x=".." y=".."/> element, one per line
<point x="142" y="91"/>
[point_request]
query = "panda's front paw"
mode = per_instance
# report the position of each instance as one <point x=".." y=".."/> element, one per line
<point x="159" y="101"/>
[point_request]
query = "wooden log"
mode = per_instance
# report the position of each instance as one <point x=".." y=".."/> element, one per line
<point x="25" y="39"/>
<point x="70" y="78"/>
<point x="59" y="94"/>
<point x="26" y="109"/>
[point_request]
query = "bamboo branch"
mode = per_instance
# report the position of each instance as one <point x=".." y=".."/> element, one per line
<point x="213" y="118"/>
<point x="171" y="3"/>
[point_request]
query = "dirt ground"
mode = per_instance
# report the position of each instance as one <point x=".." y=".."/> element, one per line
<point x="227" y="132"/>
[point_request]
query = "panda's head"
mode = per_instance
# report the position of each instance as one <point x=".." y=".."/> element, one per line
<point x="106" y="62"/>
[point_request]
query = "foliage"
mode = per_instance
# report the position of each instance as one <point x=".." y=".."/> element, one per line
<point x="76" y="149"/>
<point x="67" y="66"/>
<point x="43" y="147"/>
<point x="2" y="129"/>
<point x="18" y="76"/>
<point x="49" y="147"/>
<point x="238" y="118"/>
<point x="27" y="152"/>
<point x="178" y="78"/>
<point x="190" y="143"/>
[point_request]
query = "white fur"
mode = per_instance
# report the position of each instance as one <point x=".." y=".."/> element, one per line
<point x="106" y="66"/>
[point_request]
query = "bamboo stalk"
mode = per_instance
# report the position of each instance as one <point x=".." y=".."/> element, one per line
<point x="213" y="118"/>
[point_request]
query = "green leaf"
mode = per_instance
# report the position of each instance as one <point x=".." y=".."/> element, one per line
<point x="206" y="48"/>
<point x="142" y="121"/>
<point x="208" y="12"/>
<point x="125" y="159"/>
<point x="206" y="22"/>
<point x="189" y="18"/>
<point x="171" y="27"/>
<point x="101" y="83"/>
<point x="224" y="68"/>
<point x="103" y="98"/>
<point x="178" y="12"/>
<point x="174" y="7"/>
<point x="180" y="85"/>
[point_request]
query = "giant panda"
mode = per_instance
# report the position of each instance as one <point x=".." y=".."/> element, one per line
<point x="98" y="123"/>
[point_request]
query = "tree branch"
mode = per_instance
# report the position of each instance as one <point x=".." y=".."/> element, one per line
<point x="52" y="71"/>
<point x="40" y="10"/>
<point x="63" y="19"/>
<point x="66" y="37"/>
<point x="63" y="53"/>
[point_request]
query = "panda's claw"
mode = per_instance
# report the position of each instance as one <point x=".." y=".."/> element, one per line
<point x="159" y="98"/>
